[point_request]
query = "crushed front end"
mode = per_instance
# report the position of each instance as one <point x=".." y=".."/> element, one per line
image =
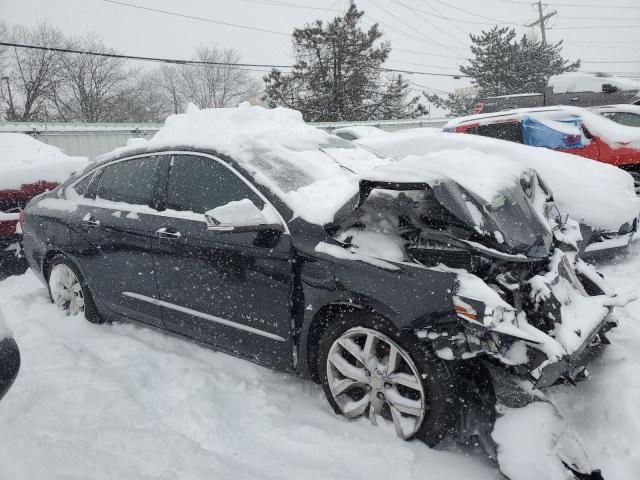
<point x="538" y="320"/>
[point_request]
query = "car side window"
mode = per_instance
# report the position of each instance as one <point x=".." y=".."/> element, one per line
<point x="199" y="184"/>
<point x="625" y="118"/>
<point x="510" y="131"/>
<point x="130" y="181"/>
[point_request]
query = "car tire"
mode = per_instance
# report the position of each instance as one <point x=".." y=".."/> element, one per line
<point x="69" y="291"/>
<point x="419" y="367"/>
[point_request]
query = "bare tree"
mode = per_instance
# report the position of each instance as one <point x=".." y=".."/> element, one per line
<point x="31" y="74"/>
<point x="90" y="85"/>
<point x="170" y="81"/>
<point x="222" y="85"/>
<point x="144" y="100"/>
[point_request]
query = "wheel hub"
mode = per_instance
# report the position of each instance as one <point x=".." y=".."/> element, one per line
<point x="66" y="290"/>
<point x="369" y="374"/>
<point x="377" y="382"/>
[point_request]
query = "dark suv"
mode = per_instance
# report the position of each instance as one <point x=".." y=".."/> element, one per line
<point x="393" y="303"/>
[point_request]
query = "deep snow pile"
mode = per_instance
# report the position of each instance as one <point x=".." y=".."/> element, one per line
<point x="119" y="401"/>
<point x="590" y="192"/>
<point x="311" y="170"/>
<point x="25" y="160"/>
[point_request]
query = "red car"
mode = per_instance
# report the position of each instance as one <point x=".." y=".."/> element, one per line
<point x="27" y="168"/>
<point x="567" y="129"/>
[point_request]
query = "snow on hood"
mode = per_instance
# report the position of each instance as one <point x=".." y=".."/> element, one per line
<point x="593" y="193"/>
<point x="314" y="172"/>
<point x="483" y="174"/>
<point x="585" y="82"/>
<point x="25" y="160"/>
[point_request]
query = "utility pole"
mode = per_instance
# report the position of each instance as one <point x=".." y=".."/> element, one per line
<point x="542" y="20"/>
<point x="12" y="112"/>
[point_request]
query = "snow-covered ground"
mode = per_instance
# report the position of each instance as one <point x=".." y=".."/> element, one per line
<point x="121" y="401"/>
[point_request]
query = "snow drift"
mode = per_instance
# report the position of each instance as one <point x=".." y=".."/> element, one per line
<point x="25" y="160"/>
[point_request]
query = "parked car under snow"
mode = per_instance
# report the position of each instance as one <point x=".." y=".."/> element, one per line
<point x="27" y="168"/>
<point x="9" y="358"/>
<point x="410" y="297"/>
<point x="600" y="197"/>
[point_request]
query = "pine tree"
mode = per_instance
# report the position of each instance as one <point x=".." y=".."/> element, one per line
<point x="502" y="65"/>
<point x="338" y="75"/>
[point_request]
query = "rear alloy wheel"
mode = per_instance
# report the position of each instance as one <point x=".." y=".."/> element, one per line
<point x="69" y="291"/>
<point x="369" y="374"/>
<point x="66" y="291"/>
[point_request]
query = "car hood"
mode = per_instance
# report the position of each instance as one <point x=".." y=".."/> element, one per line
<point x="517" y="219"/>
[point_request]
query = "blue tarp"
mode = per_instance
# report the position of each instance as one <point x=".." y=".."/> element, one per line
<point x="538" y="134"/>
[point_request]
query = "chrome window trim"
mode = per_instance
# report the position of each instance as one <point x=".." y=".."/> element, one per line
<point x="89" y="202"/>
<point x="205" y="316"/>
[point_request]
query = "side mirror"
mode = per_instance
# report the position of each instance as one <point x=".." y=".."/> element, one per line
<point x="241" y="215"/>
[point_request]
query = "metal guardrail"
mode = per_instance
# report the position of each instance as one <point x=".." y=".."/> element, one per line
<point x="92" y="140"/>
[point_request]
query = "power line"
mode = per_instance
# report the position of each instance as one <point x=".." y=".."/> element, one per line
<point x="582" y="5"/>
<point x="599" y="27"/>
<point x="578" y="5"/>
<point x="600" y="18"/>
<point x="417" y="13"/>
<point x="429" y="39"/>
<point x="174" y="61"/>
<point x="427" y="54"/>
<point x="203" y="62"/>
<point x="408" y="35"/>
<point x="275" y="3"/>
<point x="504" y="22"/>
<point x="201" y="19"/>
<point x="439" y="14"/>
<point x="424" y="87"/>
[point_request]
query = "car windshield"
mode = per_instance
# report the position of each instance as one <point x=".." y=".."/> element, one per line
<point x="289" y="169"/>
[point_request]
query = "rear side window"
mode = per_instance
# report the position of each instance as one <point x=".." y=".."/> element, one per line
<point x="511" y="131"/>
<point x="624" y="118"/>
<point x="199" y="184"/>
<point x="131" y="181"/>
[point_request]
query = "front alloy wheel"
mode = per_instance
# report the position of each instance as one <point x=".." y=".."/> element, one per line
<point x="369" y="374"/>
<point x="66" y="290"/>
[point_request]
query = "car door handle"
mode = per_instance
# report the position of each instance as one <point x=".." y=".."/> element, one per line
<point x="168" y="233"/>
<point x="90" y="222"/>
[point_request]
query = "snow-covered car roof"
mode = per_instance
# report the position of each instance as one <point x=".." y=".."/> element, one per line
<point x="312" y="171"/>
<point x="25" y="160"/>
<point x="622" y="108"/>
<point x="593" y="193"/>
<point x="609" y="131"/>
<point x="589" y="82"/>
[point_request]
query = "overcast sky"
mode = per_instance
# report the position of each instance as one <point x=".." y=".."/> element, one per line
<point x="605" y="32"/>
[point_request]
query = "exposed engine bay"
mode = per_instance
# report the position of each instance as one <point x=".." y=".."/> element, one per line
<point x="524" y="298"/>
